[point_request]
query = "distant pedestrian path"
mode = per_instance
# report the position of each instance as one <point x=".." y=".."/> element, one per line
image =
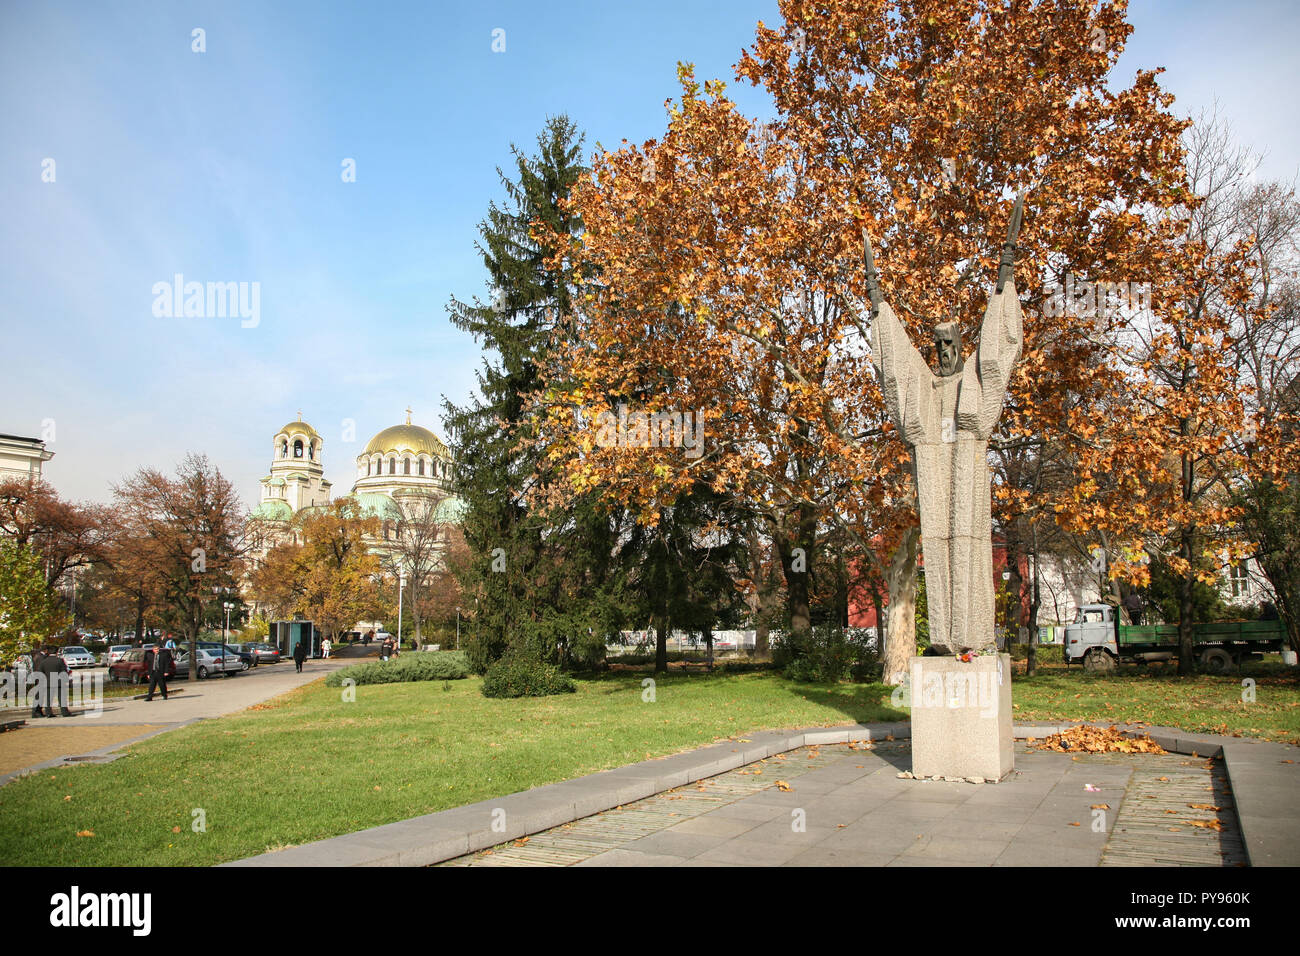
<point x="45" y="742"/>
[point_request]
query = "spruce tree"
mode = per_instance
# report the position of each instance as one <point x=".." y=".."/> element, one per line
<point x="542" y="588"/>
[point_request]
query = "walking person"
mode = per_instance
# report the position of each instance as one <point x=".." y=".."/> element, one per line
<point x="38" y="655"/>
<point x="300" y="654"/>
<point x="55" y="671"/>
<point x="159" y="664"/>
<point x="325" y="649"/>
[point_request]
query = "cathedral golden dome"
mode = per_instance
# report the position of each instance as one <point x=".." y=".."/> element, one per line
<point x="299" y="426"/>
<point x="407" y="438"/>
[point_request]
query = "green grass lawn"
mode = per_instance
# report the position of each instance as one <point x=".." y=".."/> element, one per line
<point x="308" y="765"/>
<point x="1202" y="703"/>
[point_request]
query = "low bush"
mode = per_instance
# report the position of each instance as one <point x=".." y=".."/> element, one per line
<point x="826" y="655"/>
<point x="516" y="676"/>
<point x="424" y="665"/>
<point x="1044" y="653"/>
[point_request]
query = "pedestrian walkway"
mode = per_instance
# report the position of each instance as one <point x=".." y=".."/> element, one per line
<point x="46" y="742"/>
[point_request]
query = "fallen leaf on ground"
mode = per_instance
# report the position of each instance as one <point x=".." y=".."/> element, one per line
<point x="1087" y="739"/>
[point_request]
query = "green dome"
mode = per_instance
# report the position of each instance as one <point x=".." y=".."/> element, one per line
<point x="374" y="505"/>
<point x="273" y="509"/>
<point x="450" y="511"/>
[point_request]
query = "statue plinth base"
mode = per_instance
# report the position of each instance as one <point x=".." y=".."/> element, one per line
<point x="961" y="718"/>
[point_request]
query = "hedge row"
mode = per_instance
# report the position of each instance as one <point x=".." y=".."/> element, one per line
<point x="413" y="666"/>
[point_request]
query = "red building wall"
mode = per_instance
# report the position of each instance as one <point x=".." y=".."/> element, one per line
<point x="862" y="613"/>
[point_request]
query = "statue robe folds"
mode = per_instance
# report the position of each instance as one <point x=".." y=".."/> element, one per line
<point x="947" y="422"/>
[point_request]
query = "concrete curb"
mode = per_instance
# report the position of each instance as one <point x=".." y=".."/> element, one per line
<point x="434" y="837"/>
<point x="1270" y="833"/>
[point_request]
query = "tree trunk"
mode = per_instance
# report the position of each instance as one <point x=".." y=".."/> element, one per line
<point x="880" y="621"/>
<point x="1031" y="653"/>
<point x="661" y="647"/>
<point x="796" y="562"/>
<point x="1186" y="660"/>
<point x="900" y="633"/>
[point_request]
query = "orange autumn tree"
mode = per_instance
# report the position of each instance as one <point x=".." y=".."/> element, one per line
<point x="709" y="300"/>
<point x="721" y="252"/>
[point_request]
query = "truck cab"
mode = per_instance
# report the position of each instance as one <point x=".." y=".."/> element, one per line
<point x="1091" y="637"/>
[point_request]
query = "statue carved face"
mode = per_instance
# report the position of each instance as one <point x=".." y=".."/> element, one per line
<point x="947" y="344"/>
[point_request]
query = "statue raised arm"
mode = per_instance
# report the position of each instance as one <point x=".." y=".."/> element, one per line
<point x="946" y="418"/>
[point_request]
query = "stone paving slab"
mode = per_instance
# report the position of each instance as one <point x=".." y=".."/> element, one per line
<point x="856" y="808"/>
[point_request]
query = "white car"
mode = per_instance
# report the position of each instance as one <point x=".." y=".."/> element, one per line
<point x="77" y="656"/>
<point x="114" y="654"/>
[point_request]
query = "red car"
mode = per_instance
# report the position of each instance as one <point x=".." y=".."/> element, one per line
<point x="131" y="667"/>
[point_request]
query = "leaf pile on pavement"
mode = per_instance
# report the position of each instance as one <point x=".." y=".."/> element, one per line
<point x="1097" y="740"/>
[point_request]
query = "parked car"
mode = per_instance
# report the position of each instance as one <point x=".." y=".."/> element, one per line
<point x="245" y="655"/>
<point x="208" y="661"/>
<point x="265" y="653"/>
<point x="76" y="656"/>
<point x="133" y="667"/>
<point x="113" y="654"/>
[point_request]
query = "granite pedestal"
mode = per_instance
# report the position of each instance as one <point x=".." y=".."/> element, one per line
<point x="961" y="718"/>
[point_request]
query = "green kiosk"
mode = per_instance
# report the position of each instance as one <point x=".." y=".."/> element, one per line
<point x="286" y="635"/>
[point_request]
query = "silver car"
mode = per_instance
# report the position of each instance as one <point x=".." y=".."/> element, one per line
<point x="114" y="654"/>
<point x="209" y="661"/>
<point x="77" y="656"/>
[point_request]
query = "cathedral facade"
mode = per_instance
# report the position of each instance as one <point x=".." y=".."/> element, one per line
<point x="402" y="472"/>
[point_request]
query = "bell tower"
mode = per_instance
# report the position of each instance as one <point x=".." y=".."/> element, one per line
<point x="297" y="477"/>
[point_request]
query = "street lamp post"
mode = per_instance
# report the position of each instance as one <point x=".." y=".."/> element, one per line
<point x="225" y="627"/>
<point x="457" y="628"/>
<point x="401" y="583"/>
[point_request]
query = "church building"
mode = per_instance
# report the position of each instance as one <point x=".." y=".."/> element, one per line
<point x="399" y="472"/>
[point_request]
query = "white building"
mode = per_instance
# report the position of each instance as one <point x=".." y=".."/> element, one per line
<point x="22" y="457"/>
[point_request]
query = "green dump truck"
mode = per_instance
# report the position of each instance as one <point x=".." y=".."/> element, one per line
<point x="1099" y="641"/>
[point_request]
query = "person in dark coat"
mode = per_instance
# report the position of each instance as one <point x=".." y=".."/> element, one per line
<point x="300" y="654"/>
<point x="158" y="663"/>
<point x="56" y="672"/>
<point x="38" y="655"/>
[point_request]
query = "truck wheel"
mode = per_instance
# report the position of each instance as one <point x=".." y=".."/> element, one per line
<point x="1216" y="660"/>
<point x="1098" y="661"/>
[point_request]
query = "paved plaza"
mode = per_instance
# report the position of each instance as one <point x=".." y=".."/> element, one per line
<point x="837" y="797"/>
<point x="845" y="805"/>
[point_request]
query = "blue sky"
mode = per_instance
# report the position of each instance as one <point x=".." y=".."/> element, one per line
<point x="225" y="166"/>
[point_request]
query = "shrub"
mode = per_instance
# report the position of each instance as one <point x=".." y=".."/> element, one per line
<point x="826" y="655"/>
<point x="518" y="676"/>
<point x="421" y="666"/>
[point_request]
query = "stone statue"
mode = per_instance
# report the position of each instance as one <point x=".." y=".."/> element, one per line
<point x="946" y="419"/>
